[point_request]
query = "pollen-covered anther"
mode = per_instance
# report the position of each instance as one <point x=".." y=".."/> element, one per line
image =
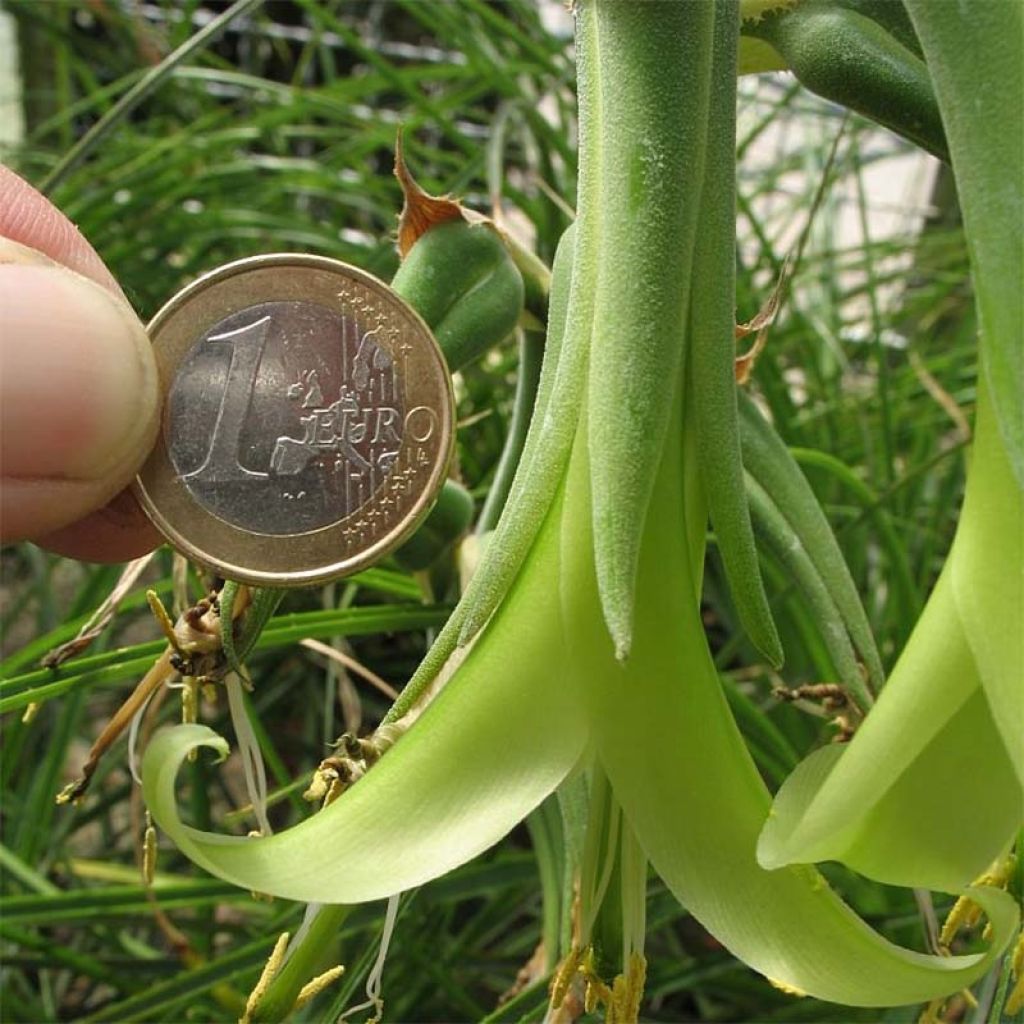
<point x="273" y="965"/>
<point x="313" y="988"/>
<point x="563" y="977"/>
<point x="966" y="913"/>
<point x="1015" y="1000"/>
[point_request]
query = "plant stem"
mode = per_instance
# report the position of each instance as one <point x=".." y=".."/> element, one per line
<point x="302" y="964"/>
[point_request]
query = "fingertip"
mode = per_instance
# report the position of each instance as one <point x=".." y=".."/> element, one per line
<point x="79" y="397"/>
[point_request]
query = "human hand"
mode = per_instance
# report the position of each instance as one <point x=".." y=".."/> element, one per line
<point x="78" y="389"/>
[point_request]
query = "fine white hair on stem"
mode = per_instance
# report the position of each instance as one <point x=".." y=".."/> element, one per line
<point x="376" y="975"/>
<point x="249" y="748"/>
<point x="312" y="909"/>
<point x="133" y="736"/>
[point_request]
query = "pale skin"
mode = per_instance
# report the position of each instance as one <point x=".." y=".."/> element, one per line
<point x="78" y="389"/>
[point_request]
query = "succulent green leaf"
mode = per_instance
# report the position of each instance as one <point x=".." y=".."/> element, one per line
<point x="713" y="352"/>
<point x="652" y="65"/>
<point x="847" y="57"/>
<point x="772" y="467"/>
<point x="460" y="278"/>
<point x="485" y="314"/>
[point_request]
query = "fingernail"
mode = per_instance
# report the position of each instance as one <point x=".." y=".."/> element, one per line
<point x="15" y="252"/>
<point x="78" y="384"/>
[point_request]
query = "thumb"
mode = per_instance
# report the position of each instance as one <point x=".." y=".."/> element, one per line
<point x="78" y="394"/>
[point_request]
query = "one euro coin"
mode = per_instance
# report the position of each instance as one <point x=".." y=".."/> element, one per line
<point x="307" y="421"/>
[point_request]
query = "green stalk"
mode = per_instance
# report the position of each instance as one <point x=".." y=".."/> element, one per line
<point x="303" y="962"/>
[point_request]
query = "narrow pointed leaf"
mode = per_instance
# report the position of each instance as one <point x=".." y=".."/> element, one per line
<point x="713" y="352"/>
<point x="548" y="440"/>
<point x="769" y="462"/>
<point x="778" y="536"/>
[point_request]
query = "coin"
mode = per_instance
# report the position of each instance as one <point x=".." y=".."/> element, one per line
<point x="307" y="420"/>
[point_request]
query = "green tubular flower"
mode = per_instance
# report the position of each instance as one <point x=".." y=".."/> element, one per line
<point x="543" y="692"/>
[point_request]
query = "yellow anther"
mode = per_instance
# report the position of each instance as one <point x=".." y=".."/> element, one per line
<point x="317" y="985"/>
<point x="636" y="978"/>
<point x="30" y="712"/>
<point x="1015" y="1000"/>
<point x="563" y="976"/>
<point x="318" y="787"/>
<point x="270" y="969"/>
<point x="966" y="913"/>
<point x="621" y="999"/>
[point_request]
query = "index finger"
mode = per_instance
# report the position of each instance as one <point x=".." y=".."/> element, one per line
<point x="29" y="218"/>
